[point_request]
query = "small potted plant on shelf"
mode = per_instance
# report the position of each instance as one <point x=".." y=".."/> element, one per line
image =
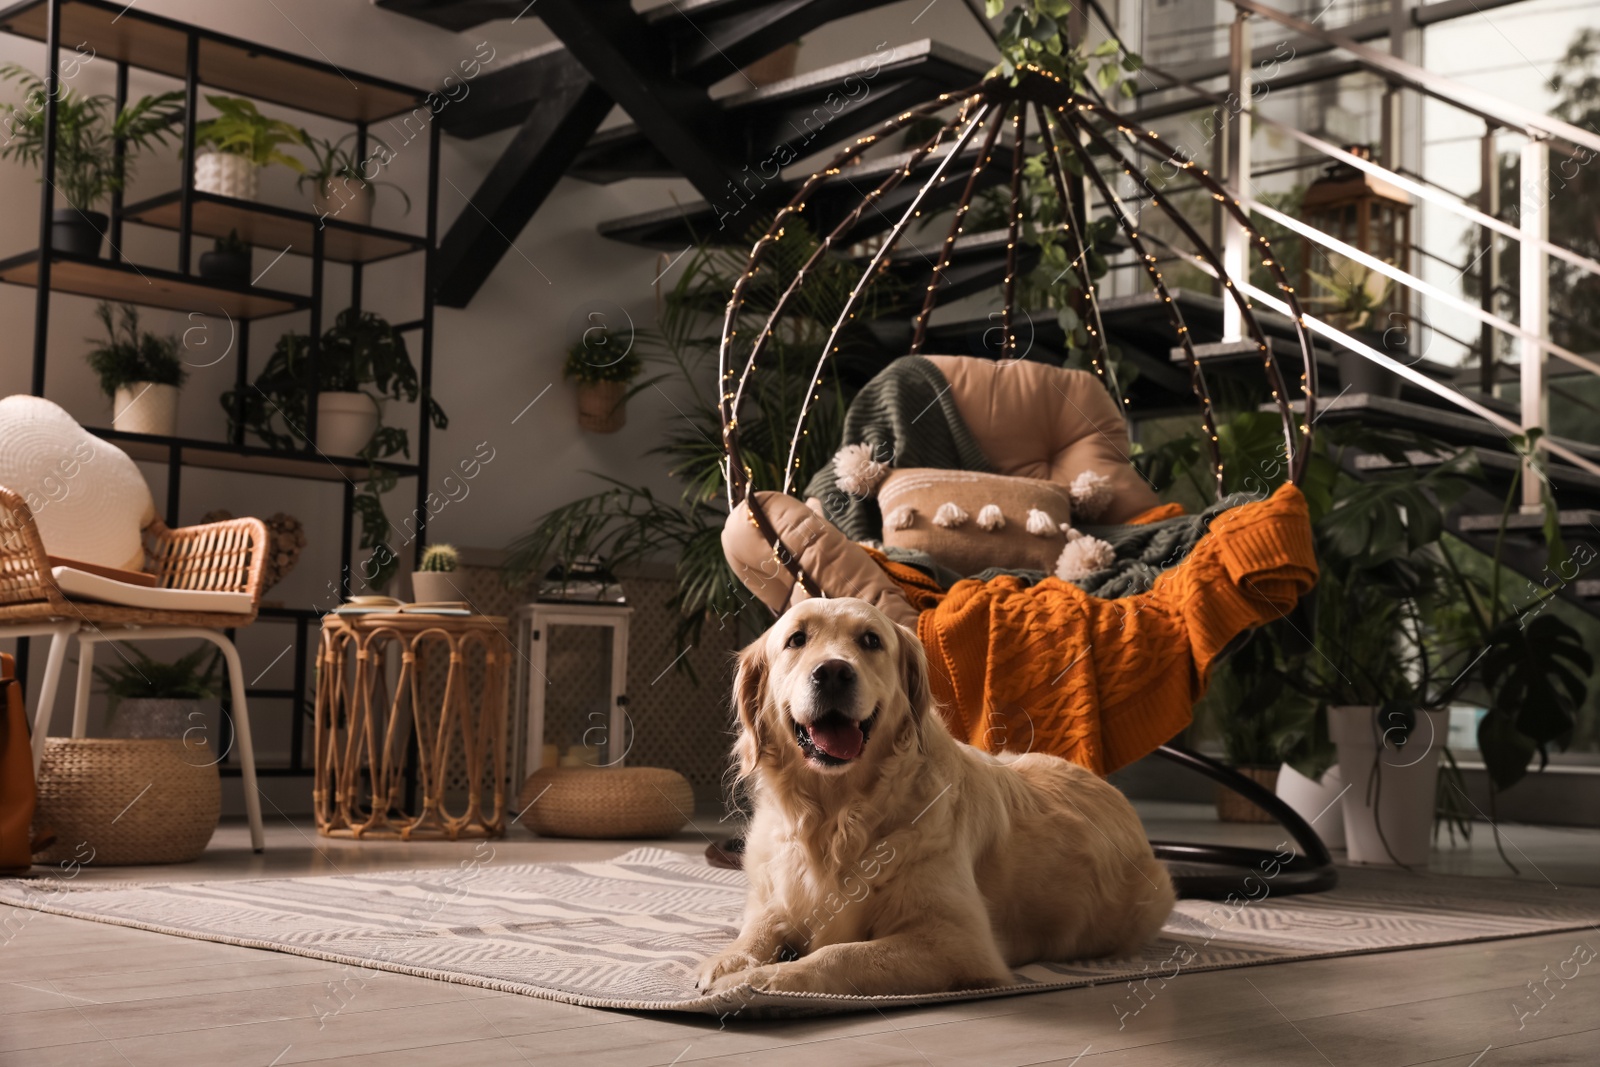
<point x="433" y="581"/>
<point x="602" y="373"/>
<point x="87" y="167"/>
<point x="147" y="698"/>
<point x="234" y="146"/>
<point x="362" y="361"/>
<point x="141" y="372"/>
<point x="1352" y="295"/>
<point x="340" y="187"/>
<point x="228" y="261"/>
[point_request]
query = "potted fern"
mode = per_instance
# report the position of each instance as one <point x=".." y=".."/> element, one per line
<point x="434" y="581"/>
<point x="602" y="376"/>
<point x="87" y="168"/>
<point x="141" y="372"/>
<point x="146" y="698"/>
<point x="237" y="144"/>
<point x="340" y="189"/>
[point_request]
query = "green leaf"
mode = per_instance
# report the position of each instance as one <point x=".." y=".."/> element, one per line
<point x="991" y="8"/>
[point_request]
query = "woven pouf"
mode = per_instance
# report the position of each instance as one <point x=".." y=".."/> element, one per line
<point x="629" y="802"/>
<point x="131" y="802"/>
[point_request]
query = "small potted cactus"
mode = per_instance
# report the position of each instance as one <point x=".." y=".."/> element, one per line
<point x="434" y="580"/>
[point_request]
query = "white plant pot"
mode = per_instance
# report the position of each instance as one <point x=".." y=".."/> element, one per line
<point x="345" y="200"/>
<point x="432" y="587"/>
<point x="227" y="174"/>
<point x="345" y="422"/>
<point x="1407" y="779"/>
<point x="145" y="407"/>
<point x="140" y="718"/>
<point x="1316" y="799"/>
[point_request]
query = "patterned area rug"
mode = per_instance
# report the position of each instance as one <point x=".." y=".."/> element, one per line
<point x="628" y="933"/>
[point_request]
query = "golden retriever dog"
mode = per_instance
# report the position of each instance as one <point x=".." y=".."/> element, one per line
<point x="885" y="856"/>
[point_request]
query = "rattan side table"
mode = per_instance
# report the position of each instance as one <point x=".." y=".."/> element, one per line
<point x="362" y="731"/>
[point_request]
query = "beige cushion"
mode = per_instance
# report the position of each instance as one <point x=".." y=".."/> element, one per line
<point x="1033" y="420"/>
<point x="81" y="585"/>
<point x="840" y="566"/>
<point x="87" y="497"/>
<point x="968" y="547"/>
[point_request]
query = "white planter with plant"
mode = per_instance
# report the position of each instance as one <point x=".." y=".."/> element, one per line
<point x="87" y="169"/>
<point x="146" y="698"/>
<point x="344" y="187"/>
<point x="1319" y="801"/>
<point x="434" y="580"/>
<point x="139" y="371"/>
<point x="1393" y="775"/>
<point x="233" y="147"/>
<point x="346" y="421"/>
<point x="601" y="367"/>
<point x="360" y="354"/>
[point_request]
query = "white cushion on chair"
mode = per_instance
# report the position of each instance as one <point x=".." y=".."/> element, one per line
<point x="81" y="585"/>
<point x="87" y="497"/>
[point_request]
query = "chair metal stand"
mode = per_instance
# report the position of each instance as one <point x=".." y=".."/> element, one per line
<point x="1309" y="871"/>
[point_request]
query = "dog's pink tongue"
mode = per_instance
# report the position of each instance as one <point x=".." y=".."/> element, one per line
<point x="838" y="736"/>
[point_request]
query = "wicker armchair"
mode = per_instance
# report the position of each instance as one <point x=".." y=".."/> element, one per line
<point x="221" y="557"/>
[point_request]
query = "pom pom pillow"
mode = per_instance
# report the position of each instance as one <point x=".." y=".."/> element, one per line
<point x="969" y="521"/>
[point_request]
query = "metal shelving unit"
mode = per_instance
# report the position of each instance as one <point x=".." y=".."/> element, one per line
<point x="198" y="57"/>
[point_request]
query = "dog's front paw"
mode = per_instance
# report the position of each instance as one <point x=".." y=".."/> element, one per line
<point x="769" y="978"/>
<point x="712" y="971"/>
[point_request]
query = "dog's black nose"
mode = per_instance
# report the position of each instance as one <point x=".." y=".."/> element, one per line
<point x="833" y="676"/>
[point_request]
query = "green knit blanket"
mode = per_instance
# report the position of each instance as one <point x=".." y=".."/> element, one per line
<point x="907" y="416"/>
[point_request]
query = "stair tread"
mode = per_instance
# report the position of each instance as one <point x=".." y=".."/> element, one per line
<point x="1570" y="518"/>
<point x="678" y="225"/>
<point x="625" y="152"/>
<point x="1427" y="419"/>
<point x="1501" y="462"/>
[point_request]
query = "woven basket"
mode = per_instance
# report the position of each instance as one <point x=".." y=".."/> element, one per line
<point x="602" y="406"/>
<point x="630" y="802"/>
<point x="1231" y="807"/>
<point x="131" y="802"/>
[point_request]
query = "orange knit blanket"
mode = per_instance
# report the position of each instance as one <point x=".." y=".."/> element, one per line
<point x="1049" y="668"/>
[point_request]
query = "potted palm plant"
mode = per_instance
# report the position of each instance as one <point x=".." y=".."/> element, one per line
<point x="602" y="374"/>
<point x="340" y="188"/>
<point x="141" y="372"/>
<point x="234" y="146"/>
<point x="146" y="698"/>
<point x="87" y="167"/>
<point x="433" y="581"/>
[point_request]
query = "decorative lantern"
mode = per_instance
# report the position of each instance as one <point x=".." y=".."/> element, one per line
<point x="1375" y="217"/>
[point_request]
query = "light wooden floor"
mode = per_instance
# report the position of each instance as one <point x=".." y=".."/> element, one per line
<point x="84" y="994"/>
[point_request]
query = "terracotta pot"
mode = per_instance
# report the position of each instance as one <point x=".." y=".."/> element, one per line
<point x="345" y="422"/>
<point x="145" y="407"/>
<point x="227" y="174"/>
<point x="602" y="406"/>
<point x="1231" y="807"/>
<point x="433" y="587"/>
<point x="1406" y="788"/>
<point x="344" y="199"/>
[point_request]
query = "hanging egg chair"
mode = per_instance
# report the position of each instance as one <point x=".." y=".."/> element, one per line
<point x="1055" y="429"/>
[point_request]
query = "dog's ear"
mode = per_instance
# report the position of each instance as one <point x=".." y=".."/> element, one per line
<point x="914" y="675"/>
<point x="749" y="693"/>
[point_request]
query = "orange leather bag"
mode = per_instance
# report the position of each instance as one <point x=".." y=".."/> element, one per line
<point x="16" y="775"/>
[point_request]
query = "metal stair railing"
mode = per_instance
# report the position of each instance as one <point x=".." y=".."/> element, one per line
<point x="1530" y="333"/>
